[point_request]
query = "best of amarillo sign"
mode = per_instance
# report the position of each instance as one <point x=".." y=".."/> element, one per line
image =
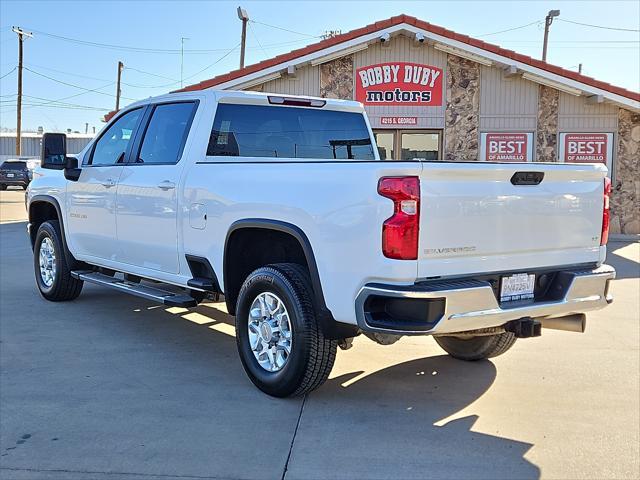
<point x="399" y="83"/>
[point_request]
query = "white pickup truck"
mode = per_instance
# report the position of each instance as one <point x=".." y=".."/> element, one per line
<point x="282" y="205"/>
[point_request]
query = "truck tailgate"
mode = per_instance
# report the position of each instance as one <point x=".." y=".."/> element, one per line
<point x="473" y="219"/>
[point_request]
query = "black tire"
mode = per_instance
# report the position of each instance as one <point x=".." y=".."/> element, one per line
<point x="64" y="287"/>
<point x="3" y="187"/>
<point x="476" y="348"/>
<point x="312" y="355"/>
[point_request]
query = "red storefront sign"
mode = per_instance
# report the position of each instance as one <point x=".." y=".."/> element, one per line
<point x="585" y="147"/>
<point x="398" y="120"/>
<point x="399" y="83"/>
<point x="506" y="147"/>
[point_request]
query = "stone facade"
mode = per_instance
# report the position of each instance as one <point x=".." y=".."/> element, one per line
<point x="625" y="197"/>
<point x="547" y="128"/>
<point x="461" y="115"/>
<point x="336" y="78"/>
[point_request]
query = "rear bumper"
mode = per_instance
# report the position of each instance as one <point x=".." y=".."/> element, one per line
<point x="463" y="305"/>
<point x="21" y="182"/>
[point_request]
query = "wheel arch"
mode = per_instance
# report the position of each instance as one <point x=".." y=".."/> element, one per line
<point x="41" y="209"/>
<point x="331" y="328"/>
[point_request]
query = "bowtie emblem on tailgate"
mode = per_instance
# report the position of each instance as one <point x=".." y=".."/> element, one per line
<point x="527" y="178"/>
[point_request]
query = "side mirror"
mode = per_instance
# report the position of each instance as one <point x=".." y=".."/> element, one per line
<point x="54" y="156"/>
<point x="54" y="151"/>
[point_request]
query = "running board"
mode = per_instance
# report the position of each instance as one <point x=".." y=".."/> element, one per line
<point x="165" y="297"/>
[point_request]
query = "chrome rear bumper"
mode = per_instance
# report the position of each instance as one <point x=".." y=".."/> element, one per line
<point x="463" y="305"/>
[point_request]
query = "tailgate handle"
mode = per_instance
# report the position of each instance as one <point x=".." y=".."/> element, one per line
<point x="527" y="178"/>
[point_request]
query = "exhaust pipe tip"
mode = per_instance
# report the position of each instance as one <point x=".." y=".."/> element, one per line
<point x="576" y="322"/>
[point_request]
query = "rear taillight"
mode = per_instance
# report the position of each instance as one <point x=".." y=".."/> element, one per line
<point x="400" y="231"/>
<point x="606" y="215"/>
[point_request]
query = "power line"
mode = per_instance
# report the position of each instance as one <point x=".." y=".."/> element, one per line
<point x="510" y="29"/>
<point x="35" y="102"/>
<point x="214" y="63"/>
<point x="75" y="86"/>
<point x="257" y="40"/>
<point x="284" y="29"/>
<point x="126" y="47"/>
<point x="149" y="73"/>
<point x="598" y="26"/>
<point x="8" y="73"/>
<point x="63" y="103"/>
<point x="85" y="92"/>
<point x="67" y="73"/>
<point x="10" y="108"/>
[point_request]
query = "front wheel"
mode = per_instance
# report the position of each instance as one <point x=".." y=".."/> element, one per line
<point x="281" y="344"/>
<point x="478" y="347"/>
<point x="53" y="275"/>
<point x="3" y="187"/>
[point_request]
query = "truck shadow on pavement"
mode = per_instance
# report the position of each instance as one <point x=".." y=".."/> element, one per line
<point x="390" y="423"/>
<point x="396" y="420"/>
<point x="110" y="383"/>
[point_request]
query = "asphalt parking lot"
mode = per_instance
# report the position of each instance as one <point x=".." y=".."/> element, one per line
<point x="111" y="386"/>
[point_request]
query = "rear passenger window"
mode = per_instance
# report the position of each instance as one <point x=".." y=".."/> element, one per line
<point x="166" y="133"/>
<point x="112" y="145"/>
<point x="289" y="132"/>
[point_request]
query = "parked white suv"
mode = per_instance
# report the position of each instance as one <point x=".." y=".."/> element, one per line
<point x="282" y="205"/>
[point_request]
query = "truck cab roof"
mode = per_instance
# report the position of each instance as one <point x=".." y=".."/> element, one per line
<point x="256" y="98"/>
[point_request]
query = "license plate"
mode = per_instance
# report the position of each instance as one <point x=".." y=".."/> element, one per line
<point x="10" y="175"/>
<point x="517" y="287"/>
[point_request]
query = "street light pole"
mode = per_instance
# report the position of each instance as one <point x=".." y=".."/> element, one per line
<point x="244" y="16"/>
<point x="182" y="39"/>
<point x="547" y="23"/>
<point x="21" y="34"/>
<point x="118" y="89"/>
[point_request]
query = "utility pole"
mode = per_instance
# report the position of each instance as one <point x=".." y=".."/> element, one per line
<point x="547" y="23"/>
<point x="21" y="34"/>
<point x="182" y="39"/>
<point x="244" y="16"/>
<point x="118" y="89"/>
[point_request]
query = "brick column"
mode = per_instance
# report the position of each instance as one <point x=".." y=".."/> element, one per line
<point x="336" y="78"/>
<point x="547" y="129"/>
<point x="625" y="197"/>
<point x="461" y="114"/>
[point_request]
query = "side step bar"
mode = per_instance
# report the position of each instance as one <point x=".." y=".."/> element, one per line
<point x="165" y="297"/>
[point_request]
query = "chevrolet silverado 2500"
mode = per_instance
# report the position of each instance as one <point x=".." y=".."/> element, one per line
<point x="282" y="205"/>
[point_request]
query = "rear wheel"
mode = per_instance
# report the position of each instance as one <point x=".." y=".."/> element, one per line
<point x="478" y="347"/>
<point x="53" y="274"/>
<point x="3" y="187"/>
<point x="279" y="339"/>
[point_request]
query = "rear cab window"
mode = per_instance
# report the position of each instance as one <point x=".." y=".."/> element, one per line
<point x="14" y="166"/>
<point x="289" y="132"/>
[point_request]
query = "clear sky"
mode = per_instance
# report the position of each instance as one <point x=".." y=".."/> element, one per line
<point x="151" y="31"/>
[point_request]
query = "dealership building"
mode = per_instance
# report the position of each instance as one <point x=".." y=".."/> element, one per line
<point x="434" y="94"/>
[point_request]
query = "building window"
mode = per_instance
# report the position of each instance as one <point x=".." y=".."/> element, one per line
<point x="409" y="144"/>
<point x="386" y="144"/>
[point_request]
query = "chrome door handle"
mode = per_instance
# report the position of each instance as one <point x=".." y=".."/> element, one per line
<point x="108" y="183"/>
<point x="166" y="185"/>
